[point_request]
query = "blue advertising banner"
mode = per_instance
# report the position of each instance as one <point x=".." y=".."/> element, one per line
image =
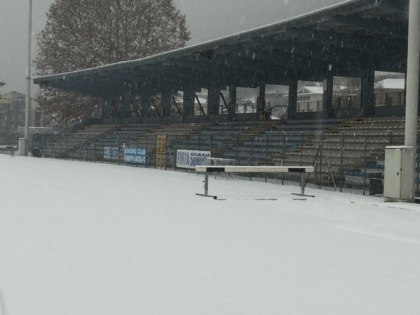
<point x="190" y="159"/>
<point x="111" y="153"/>
<point x="135" y="156"/>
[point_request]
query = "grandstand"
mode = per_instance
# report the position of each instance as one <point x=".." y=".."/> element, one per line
<point x="343" y="136"/>
<point x="345" y="152"/>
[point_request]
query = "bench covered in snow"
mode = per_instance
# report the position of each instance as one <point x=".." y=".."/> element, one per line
<point x="210" y="169"/>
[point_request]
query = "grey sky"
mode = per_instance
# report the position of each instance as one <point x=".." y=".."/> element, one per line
<point x="206" y="19"/>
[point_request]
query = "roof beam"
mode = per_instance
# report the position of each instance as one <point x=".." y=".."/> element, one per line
<point x="312" y="50"/>
<point x="353" y="41"/>
<point x="392" y="50"/>
<point x="379" y="26"/>
<point x="396" y="6"/>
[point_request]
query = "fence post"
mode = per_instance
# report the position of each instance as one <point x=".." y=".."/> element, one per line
<point x="87" y="148"/>
<point x="147" y="151"/>
<point x="418" y="165"/>
<point x="237" y="147"/>
<point x="342" y="162"/>
<point x="320" y="161"/>
<point x="252" y="160"/>
<point x="365" y="168"/>
<point x="166" y="149"/>
<point x="283" y="156"/>
<point x="53" y="149"/>
<point x="211" y="144"/>
<point x="301" y="148"/>
<point x="176" y="151"/>
<point x="90" y="145"/>
<point x="223" y="145"/>
<point x="76" y="147"/>
<point x="103" y="149"/>
<point x="137" y="145"/>
<point x="266" y="155"/>
<point x="119" y="148"/>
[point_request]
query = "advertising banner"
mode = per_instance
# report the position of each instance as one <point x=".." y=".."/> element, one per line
<point x="190" y="159"/>
<point x="161" y="151"/>
<point x="135" y="156"/>
<point x="111" y="153"/>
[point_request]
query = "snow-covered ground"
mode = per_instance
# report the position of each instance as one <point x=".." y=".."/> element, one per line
<point x="84" y="238"/>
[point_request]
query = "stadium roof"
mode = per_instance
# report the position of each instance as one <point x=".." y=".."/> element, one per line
<point x="346" y="39"/>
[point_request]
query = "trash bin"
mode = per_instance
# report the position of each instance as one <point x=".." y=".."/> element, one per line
<point x="11" y="150"/>
<point x="36" y="152"/>
<point x="376" y="186"/>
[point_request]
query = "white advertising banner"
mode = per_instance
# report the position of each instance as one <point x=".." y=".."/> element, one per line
<point x="111" y="153"/>
<point x="190" y="159"/>
<point x="135" y="155"/>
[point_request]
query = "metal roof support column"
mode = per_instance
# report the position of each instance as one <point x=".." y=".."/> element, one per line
<point x="328" y="95"/>
<point x="293" y="86"/>
<point x="166" y="97"/>
<point x="368" y="92"/>
<point x="125" y="110"/>
<point x="261" y="102"/>
<point x="232" y="103"/>
<point x="213" y="101"/>
<point x="106" y="107"/>
<point x="188" y="103"/>
<point x="145" y="102"/>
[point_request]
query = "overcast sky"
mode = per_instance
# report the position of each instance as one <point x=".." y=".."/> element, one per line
<point x="207" y="19"/>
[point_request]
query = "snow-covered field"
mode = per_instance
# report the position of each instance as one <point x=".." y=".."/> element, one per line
<point x="83" y="238"/>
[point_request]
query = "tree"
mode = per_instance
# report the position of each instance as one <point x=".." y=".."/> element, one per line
<point x="89" y="33"/>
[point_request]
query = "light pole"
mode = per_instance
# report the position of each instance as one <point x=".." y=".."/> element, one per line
<point x="400" y="162"/>
<point x="412" y="83"/>
<point x="412" y="75"/>
<point x="28" y="82"/>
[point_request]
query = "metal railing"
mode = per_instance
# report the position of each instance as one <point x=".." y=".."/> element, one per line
<point x="342" y="160"/>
